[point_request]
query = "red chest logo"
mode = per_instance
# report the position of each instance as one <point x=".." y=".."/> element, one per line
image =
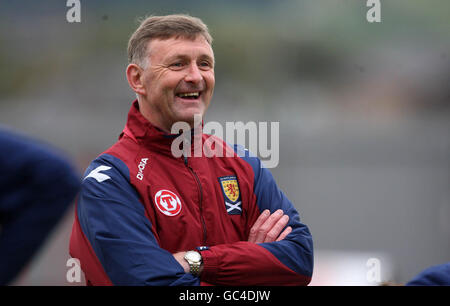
<point x="168" y="202"/>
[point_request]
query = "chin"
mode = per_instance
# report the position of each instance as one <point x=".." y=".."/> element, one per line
<point x="190" y="114"/>
<point x="192" y="120"/>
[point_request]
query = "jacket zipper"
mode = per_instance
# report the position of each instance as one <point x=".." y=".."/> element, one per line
<point x="201" y="198"/>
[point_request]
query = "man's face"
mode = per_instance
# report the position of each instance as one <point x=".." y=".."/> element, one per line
<point x="179" y="80"/>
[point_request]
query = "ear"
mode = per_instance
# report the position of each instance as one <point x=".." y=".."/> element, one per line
<point x="135" y="79"/>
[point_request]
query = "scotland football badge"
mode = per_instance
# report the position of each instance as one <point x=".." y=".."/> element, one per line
<point x="231" y="194"/>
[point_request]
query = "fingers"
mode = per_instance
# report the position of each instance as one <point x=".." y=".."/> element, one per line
<point x="286" y="232"/>
<point x="273" y="234"/>
<point x="254" y="230"/>
<point x="267" y="228"/>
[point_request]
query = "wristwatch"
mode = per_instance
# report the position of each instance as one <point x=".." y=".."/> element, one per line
<point x="194" y="260"/>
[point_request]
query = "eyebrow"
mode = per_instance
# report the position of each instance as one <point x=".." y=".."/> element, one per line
<point x="185" y="57"/>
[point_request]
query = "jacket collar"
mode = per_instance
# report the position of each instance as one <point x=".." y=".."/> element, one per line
<point x="145" y="133"/>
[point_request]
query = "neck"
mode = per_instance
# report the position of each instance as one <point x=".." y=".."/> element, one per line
<point x="149" y="115"/>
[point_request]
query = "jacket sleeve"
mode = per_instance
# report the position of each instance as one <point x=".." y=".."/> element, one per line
<point x="113" y="220"/>
<point x="37" y="185"/>
<point x="286" y="262"/>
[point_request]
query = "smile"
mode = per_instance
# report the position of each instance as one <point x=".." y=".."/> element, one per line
<point x="189" y="95"/>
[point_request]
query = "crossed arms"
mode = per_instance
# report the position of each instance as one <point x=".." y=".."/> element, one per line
<point x="267" y="228"/>
<point x="278" y="250"/>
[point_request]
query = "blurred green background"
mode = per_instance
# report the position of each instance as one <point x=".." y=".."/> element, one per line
<point x="363" y="107"/>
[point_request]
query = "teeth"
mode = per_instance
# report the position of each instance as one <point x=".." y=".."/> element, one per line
<point x="189" y="94"/>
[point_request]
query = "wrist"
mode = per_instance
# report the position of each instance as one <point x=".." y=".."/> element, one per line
<point x="194" y="260"/>
<point x="183" y="263"/>
<point x="210" y="265"/>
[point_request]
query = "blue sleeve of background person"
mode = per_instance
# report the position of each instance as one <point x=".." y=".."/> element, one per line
<point x="296" y="250"/>
<point x="113" y="219"/>
<point x="438" y="275"/>
<point x="37" y="184"/>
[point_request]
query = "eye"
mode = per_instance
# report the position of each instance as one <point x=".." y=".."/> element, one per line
<point x="205" y="65"/>
<point x="176" y="65"/>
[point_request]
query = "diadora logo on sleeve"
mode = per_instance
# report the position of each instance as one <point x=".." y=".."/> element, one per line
<point x="141" y="168"/>
<point x="168" y="202"/>
<point x="231" y="194"/>
<point x="100" y="177"/>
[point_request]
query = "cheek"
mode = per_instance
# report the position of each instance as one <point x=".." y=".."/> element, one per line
<point x="161" y="90"/>
<point x="163" y="82"/>
<point x="171" y="83"/>
<point x="210" y="81"/>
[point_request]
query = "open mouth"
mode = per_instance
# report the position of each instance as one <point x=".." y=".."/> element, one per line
<point x="189" y="95"/>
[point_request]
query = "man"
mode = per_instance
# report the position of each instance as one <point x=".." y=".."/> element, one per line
<point x="37" y="185"/>
<point x="146" y="217"/>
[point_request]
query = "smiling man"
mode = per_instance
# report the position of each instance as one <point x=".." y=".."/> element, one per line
<point x="146" y="217"/>
<point x="174" y="81"/>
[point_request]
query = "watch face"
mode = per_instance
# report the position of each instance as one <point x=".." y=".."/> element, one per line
<point x="194" y="256"/>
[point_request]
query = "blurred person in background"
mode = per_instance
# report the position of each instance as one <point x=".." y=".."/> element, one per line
<point x="37" y="184"/>
<point x="146" y="217"/>
<point x="437" y="275"/>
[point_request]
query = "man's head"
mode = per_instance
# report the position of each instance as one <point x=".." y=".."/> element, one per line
<point x="171" y="68"/>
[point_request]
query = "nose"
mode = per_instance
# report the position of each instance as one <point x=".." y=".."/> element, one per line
<point x="193" y="74"/>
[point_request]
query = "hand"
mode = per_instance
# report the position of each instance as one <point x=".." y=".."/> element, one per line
<point x="180" y="258"/>
<point x="268" y="227"/>
<point x="183" y="262"/>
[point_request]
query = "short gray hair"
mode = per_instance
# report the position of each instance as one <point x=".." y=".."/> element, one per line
<point x="163" y="27"/>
